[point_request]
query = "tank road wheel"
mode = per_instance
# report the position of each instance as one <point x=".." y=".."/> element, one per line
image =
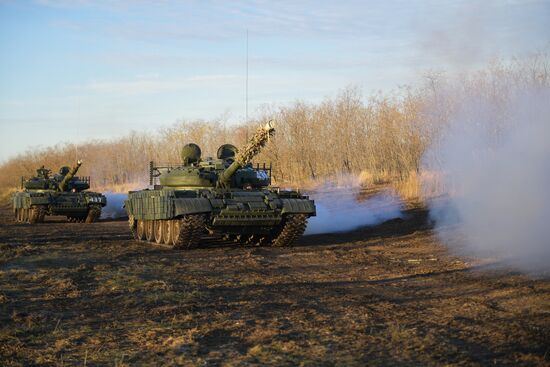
<point x="292" y="228"/>
<point x="191" y="228"/>
<point x="94" y="212"/>
<point x="140" y="230"/>
<point x="176" y="229"/>
<point x="25" y="216"/>
<point x="149" y="230"/>
<point x="167" y="232"/>
<point x="159" y="226"/>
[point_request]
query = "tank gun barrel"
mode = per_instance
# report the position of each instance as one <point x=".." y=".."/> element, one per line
<point x="68" y="177"/>
<point x="245" y="155"/>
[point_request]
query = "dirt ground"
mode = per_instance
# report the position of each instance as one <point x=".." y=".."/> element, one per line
<point x="87" y="294"/>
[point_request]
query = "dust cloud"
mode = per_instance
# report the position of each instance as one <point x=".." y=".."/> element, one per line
<point x="114" y="208"/>
<point x="495" y="159"/>
<point x="340" y="208"/>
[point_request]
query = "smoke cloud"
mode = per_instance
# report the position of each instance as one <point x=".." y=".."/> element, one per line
<point x="339" y="208"/>
<point x="495" y="160"/>
<point x="114" y="208"/>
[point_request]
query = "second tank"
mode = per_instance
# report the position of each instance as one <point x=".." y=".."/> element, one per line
<point x="59" y="194"/>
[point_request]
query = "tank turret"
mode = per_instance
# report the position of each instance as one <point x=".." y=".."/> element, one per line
<point x="209" y="173"/>
<point x="68" y="177"/>
<point x="58" y="194"/>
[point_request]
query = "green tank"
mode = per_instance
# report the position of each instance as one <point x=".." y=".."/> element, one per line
<point x="223" y="198"/>
<point x="60" y="194"/>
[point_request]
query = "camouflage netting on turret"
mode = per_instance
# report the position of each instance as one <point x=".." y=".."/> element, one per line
<point x="255" y="145"/>
<point x="250" y="150"/>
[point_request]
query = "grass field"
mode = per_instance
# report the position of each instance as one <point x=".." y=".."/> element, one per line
<point x="74" y="294"/>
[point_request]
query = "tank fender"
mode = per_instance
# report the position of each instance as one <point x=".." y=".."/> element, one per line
<point x="191" y="206"/>
<point x="298" y="206"/>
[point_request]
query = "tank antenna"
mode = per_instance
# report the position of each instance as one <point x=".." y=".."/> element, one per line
<point x="79" y="119"/>
<point x="246" y="76"/>
<point x="246" y="87"/>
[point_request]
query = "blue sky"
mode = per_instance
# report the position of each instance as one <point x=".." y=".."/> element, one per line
<point x="80" y="70"/>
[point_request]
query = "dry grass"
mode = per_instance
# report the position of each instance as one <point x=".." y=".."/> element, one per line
<point x="88" y="295"/>
<point x="410" y="187"/>
<point x="6" y="193"/>
<point x="381" y="139"/>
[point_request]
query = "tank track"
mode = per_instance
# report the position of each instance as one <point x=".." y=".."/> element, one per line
<point x="94" y="212"/>
<point x="293" y="227"/>
<point x="178" y="233"/>
<point x="42" y="211"/>
<point x="253" y="240"/>
<point x="72" y="219"/>
<point x="132" y="223"/>
<point x="191" y="230"/>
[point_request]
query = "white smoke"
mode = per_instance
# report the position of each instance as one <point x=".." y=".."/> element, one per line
<point x="115" y="206"/>
<point x="340" y="208"/>
<point x="495" y="159"/>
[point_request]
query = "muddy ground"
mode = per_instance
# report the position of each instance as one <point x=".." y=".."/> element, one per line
<point x="77" y="294"/>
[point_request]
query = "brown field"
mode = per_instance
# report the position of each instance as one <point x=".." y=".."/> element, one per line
<point x="75" y="294"/>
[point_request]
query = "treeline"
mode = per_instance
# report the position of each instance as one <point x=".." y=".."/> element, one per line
<point x="383" y="138"/>
<point x="344" y="134"/>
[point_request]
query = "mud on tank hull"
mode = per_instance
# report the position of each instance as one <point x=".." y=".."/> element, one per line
<point x="181" y="218"/>
<point x="33" y="206"/>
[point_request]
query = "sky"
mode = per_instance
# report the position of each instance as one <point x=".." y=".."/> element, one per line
<point x="78" y="70"/>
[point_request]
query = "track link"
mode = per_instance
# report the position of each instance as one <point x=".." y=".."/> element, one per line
<point x="33" y="215"/>
<point x="72" y="219"/>
<point x="94" y="212"/>
<point x="293" y="227"/>
<point x="191" y="229"/>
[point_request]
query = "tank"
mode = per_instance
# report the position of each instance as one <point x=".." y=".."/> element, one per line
<point x="224" y="198"/>
<point x="60" y="194"/>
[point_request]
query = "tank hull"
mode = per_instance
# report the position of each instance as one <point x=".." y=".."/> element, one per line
<point x="235" y="213"/>
<point x="76" y="206"/>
